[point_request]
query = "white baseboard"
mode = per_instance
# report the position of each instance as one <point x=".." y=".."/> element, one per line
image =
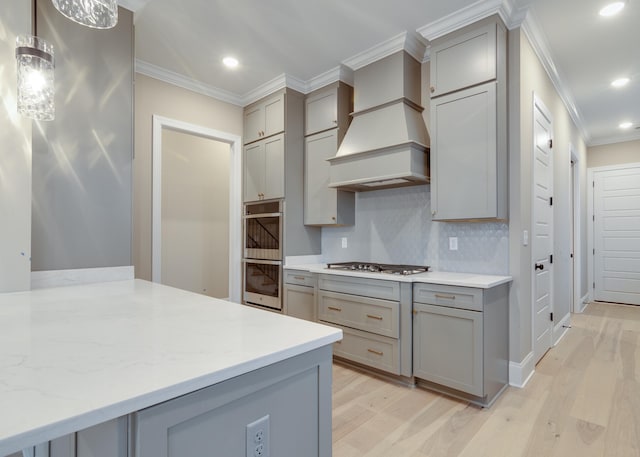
<point x="60" y="278"/>
<point x="560" y="330"/>
<point x="520" y="373"/>
<point x="584" y="302"/>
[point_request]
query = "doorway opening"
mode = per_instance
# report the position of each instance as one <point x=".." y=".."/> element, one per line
<point x="190" y="223"/>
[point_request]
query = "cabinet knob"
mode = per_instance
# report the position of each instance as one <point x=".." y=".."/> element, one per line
<point x="433" y="213"/>
<point x="333" y="218"/>
<point x="335" y="121"/>
<point x="432" y="89"/>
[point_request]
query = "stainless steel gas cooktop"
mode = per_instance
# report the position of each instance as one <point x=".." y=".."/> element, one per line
<point x="379" y="268"/>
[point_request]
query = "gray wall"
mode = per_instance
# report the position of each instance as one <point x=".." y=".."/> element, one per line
<point x="82" y="161"/>
<point x="15" y="157"/>
<point x="395" y="226"/>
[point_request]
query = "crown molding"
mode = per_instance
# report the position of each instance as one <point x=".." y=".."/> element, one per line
<point x="405" y="41"/>
<point x="339" y="73"/>
<point x="539" y="44"/>
<point x="171" y="77"/>
<point x="635" y="136"/>
<point x="277" y="83"/>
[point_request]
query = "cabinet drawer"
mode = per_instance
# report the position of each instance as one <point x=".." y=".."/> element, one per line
<point x="299" y="277"/>
<point x="371" y="350"/>
<point x="451" y="296"/>
<point x="375" y="288"/>
<point x="368" y="314"/>
<point x="299" y="301"/>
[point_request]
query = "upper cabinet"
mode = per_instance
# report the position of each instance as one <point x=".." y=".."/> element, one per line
<point x="463" y="60"/>
<point x="264" y="118"/>
<point x="326" y="120"/>
<point x="264" y="169"/>
<point x="469" y="124"/>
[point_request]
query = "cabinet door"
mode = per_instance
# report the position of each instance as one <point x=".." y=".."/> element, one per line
<point x="321" y="111"/>
<point x="463" y="60"/>
<point x="320" y="201"/>
<point x="273" y="115"/>
<point x="253" y="123"/>
<point x="273" y="168"/>
<point x="464" y="155"/>
<point x="299" y="301"/>
<point x="447" y="347"/>
<point x="254" y="171"/>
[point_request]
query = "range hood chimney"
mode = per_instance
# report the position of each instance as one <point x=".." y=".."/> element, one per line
<point x="386" y="144"/>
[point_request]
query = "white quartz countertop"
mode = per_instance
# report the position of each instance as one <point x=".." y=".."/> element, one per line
<point x="432" y="277"/>
<point x="73" y="357"/>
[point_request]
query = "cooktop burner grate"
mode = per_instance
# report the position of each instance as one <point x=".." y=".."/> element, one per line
<point x="379" y="268"/>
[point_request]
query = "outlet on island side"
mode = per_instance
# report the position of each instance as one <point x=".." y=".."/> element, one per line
<point x="453" y="243"/>
<point x="344" y="242"/>
<point x="257" y="434"/>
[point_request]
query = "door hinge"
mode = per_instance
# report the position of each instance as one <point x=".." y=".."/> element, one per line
<point x="594" y="284"/>
<point x="550" y="201"/>
<point x="594" y="252"/>
<point x="571" y="255"/>
<point x="594" y="218"/>
<point x="593" y="184"/>
<point x="551" y="317"/>
<point x="551" y="258"/>
<point x="550" y="143"/>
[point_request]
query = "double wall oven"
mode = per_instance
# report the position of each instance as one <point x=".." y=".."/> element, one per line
<point x="262" y="254"/>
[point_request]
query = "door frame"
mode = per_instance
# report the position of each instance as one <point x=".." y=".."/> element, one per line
<point x="235" y="196"/>
<point x="591" y="172"/>
<point x="577" y="305"/>
<point x="538" y="104"/>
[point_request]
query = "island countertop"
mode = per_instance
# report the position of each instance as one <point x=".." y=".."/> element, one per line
<point x="74" y="357"/>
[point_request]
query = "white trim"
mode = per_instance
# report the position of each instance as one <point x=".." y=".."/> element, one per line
<point x="540" y="46"/>
<point x="61" y="278"/>
<point x="521" y="373"/>
<point x="539" y="105"/>
<point x="235" y="196"/>
<point x="560" y="330"/>
<point x="577" y="230"/>
<point x="177" y="79"/>
<point x="405" y="41"/>
<point x="584" y="302"/>
<point x="339" y="73"/>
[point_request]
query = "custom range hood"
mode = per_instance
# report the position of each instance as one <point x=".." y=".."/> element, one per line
<point x="386" y="144"/>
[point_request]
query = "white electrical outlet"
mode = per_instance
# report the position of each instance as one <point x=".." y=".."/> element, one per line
<point x="258" y="438"/>
<point x="344" y="242"/>
<point x="525" y="238"/>
<point x="453" y="243"/>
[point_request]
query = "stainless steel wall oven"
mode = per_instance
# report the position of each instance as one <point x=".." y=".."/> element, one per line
<point x="262" y="249"/>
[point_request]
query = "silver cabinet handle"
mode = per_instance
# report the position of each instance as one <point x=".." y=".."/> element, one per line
<point x="448" y="297"/>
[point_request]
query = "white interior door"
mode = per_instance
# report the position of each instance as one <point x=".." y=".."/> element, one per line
<point x="542" y="241"/>
<point x="616" y="198"/>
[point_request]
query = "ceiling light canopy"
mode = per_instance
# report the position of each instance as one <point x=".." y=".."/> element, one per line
<point x="612" y="9"/>
<point x="35" y="78"/>
<point x="626" y="125"/>
<point x="230" y="62"/>
<point x="97" y="14"/>
<point x="620" y="82"/>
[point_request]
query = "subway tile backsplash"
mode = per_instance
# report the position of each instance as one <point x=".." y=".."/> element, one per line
<point x="395" y="226"/>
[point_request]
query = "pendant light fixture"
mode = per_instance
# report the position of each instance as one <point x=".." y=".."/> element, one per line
<point x="97" y="14"/>
<point x="35" y="78"/>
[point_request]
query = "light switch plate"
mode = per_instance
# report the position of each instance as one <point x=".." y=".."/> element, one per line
<point x="525" y="238"/>
<point x="344" y="242"/>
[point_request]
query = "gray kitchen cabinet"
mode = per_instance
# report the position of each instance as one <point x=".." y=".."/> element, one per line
<point x="293" y="395"/>
<point x="375" y="318"/>
<point x="108" y="439"/>
<point x="468" y="124"/>
<point x="326" y="121"/>
<point x="464" y="59"/>
<point x="328" y="108"/>
<point x="461" y="340"/>
<point x="264" y="118"/>
<point x="264" y="169"/>
<point x="299" y="295"/>
<point x="324" y="205"/>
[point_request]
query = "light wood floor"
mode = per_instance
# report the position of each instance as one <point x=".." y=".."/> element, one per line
<point x="584" y="400"/>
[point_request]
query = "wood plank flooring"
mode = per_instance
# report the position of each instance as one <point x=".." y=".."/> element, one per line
<point x="584" y="400"/>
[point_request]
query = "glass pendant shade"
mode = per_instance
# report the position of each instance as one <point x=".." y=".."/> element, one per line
<point x="97" y="14"/>
<point x="35" y="78"/>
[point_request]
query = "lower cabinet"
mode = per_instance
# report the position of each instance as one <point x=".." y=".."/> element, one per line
<point x="461" y="340"/>
<point x="299" y="295"/>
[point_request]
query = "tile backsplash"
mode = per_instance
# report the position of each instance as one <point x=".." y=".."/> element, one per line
<point x="395" y="226"/>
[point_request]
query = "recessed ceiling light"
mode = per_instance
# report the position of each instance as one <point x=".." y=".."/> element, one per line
<point x="611" y="9"/>
<point x="626" y="125"/>
<point x="620" y="82"/>
<point x="230" y="62"/>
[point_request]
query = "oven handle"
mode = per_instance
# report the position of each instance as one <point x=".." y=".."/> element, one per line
<point x="263" y="262"/>
<point x="256" y="216"/>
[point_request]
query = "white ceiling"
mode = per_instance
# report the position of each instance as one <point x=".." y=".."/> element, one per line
<point x="304" y="42"/>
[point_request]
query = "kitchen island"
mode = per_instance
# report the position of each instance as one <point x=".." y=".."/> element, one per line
<point x="174" y="367"/>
